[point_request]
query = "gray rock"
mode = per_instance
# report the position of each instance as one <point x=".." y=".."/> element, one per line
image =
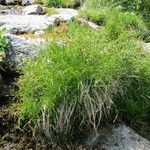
<point x="33" y="10"/>
<point x="117" y="137"/>
<point x="17" y="24"/>
<point x="19" y="50"/>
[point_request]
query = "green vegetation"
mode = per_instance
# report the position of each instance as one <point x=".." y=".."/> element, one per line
<point x="85" y="77"/>
<point x="51" y="11"/>
<point x="98" y="16"/>
<point x="137" y="6"/>
<point x="60" y="3"/>
<point x="99" y="11"/>
<point x="88" y="77"/>
<point x="141" y="7"/>
<point x="3" y="44"/>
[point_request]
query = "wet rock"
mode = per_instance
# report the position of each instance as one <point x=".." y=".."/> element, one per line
<point x="19" y="50"/>
<point x="17" y="24"/>
<point x="117" y="137"/>
<point x="33" y="10"/>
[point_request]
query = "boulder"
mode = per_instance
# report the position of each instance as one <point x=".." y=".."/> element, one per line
<point x="20" y="49"/>
<point x="33" y="10"/>
<point x="117" y="137"/>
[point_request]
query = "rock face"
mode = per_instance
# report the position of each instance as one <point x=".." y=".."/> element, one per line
<point x="17" y="24"/>
<point x="117" y="137"/>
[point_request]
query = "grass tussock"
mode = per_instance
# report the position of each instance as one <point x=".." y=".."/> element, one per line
<point x="73" y="86"/>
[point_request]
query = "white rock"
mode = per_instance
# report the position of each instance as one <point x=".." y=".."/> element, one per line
<point x="147" y="47"/>
<point x="65" y="14"/>
<point x="33" y="10"/>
